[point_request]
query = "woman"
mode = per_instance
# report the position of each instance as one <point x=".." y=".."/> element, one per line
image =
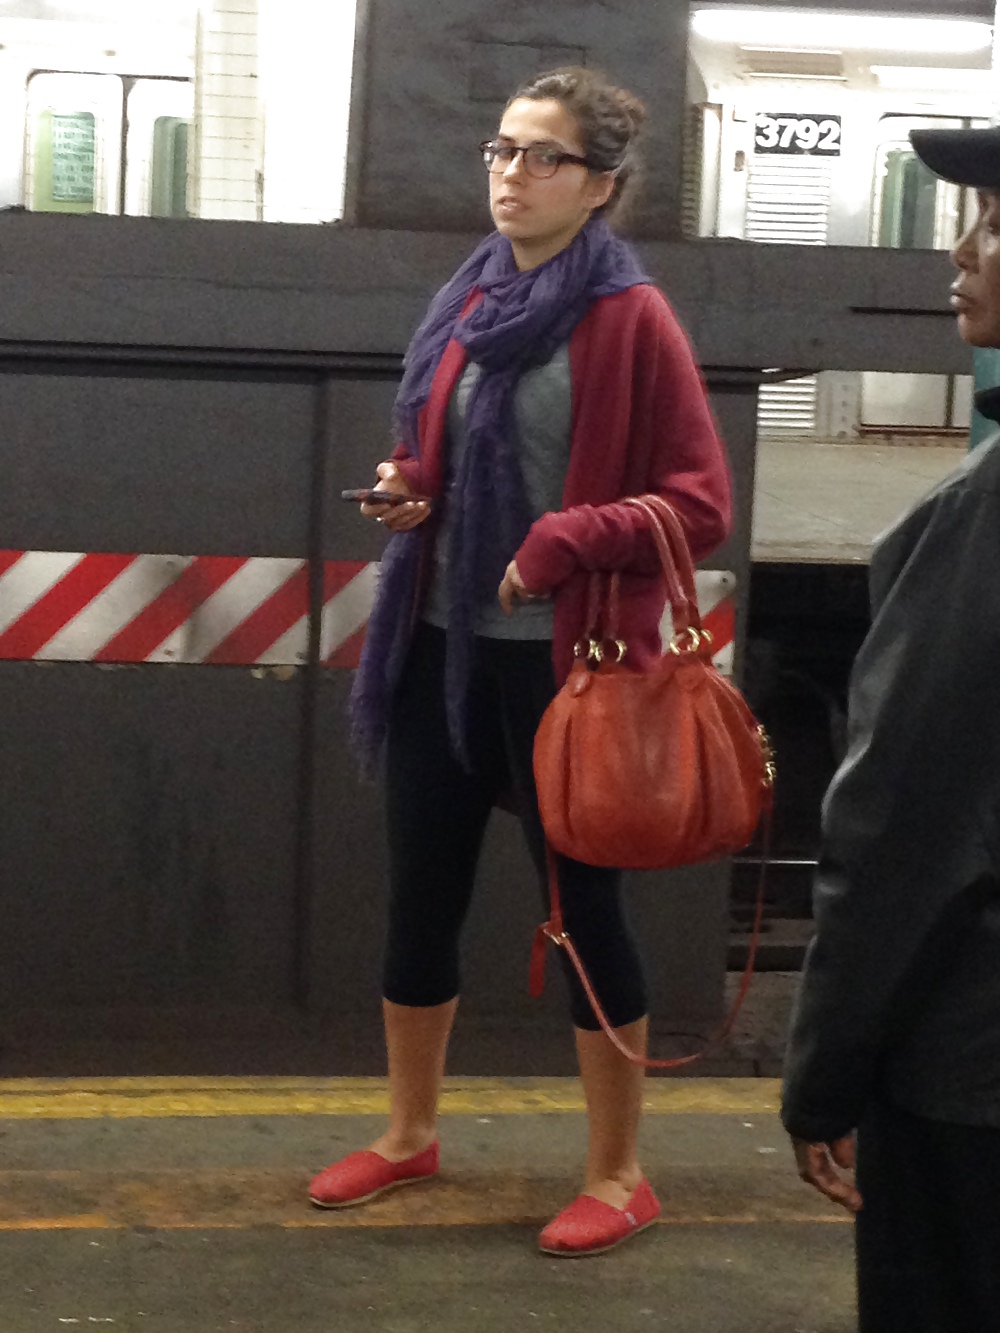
<point x="548" y="381"/>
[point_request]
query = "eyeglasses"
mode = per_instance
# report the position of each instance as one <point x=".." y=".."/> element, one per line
<point x="539" y="160"/>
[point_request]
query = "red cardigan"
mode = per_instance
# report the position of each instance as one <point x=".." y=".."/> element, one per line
<point x="641" y="422"/>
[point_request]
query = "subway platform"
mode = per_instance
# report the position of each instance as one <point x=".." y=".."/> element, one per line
<point x="826" y="501"/>
<point x="177" y="1205"/>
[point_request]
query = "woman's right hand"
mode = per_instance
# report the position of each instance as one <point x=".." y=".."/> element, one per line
<point x="399" y="517"/>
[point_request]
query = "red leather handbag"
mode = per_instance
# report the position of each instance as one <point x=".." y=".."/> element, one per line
<point x="650" y="769"/>
<point x="647" y="769"/>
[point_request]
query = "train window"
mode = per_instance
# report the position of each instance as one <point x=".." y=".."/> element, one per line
<point x="168" y="175"/>
<point x="72" y="121"/>
<point x="908" y="216"/>
<point x="911" y="208"/>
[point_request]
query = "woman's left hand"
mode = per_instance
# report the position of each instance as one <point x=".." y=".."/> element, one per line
<point x="513" y="589"/>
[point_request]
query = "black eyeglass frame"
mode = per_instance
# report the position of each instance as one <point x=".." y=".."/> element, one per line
<point x="494" y="145"/>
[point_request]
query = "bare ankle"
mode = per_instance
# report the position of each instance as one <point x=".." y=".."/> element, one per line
<point x="398" y="1145"/>
<point x="613" y="1186"/>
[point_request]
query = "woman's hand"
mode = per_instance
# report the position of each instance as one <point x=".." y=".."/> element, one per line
<point x="399" y="517"/>
<point x="513" y="589"/>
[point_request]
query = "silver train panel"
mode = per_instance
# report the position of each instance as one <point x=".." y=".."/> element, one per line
<point x="811" y="148"/>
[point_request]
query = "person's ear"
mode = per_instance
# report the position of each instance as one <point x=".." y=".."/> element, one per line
<point x="600" y="189"/>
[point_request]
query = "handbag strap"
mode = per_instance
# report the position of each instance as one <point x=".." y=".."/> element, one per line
<point x="678" y="573"/>
<point x="553" y="931"/>
<point x="678" y="568"/>
<point x="675" y="559"/>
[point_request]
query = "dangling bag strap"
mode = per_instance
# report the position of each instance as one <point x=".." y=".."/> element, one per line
<point x="554" y="932"/>
<point x="679" y="571"/>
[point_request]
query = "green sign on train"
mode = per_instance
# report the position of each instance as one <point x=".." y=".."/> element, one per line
<point x="73" y="138"/>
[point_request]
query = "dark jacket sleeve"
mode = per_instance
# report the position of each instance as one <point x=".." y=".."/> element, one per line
<point x="908" y="822"/>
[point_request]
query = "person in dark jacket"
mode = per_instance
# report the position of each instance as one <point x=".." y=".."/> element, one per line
<point x="893" y="1063"/>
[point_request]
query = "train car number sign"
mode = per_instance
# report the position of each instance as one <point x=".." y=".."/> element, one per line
<point x="788" y="132"/>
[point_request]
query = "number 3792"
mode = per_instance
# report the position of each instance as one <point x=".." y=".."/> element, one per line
<point x="776" y="133"/>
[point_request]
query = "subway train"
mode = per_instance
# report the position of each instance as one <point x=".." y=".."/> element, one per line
<point x="95" y="112"/>
<point x="798" y="137"/>
<point x="97" y="107"/>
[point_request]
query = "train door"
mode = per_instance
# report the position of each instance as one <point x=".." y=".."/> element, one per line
<point x="158" y="116"/>
<point x="913" y="209"/>
<point x="107" y="143"/>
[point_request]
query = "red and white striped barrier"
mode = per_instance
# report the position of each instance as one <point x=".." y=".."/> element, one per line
<point x="58" y="606"/>
<point x="716" y="589"/>
<point x="61" y="606"/>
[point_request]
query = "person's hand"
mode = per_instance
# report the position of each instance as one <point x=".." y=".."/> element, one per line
<point x="512" y="589"/>
<point x="397" y="518"/>
<point x="818" y="1165"/>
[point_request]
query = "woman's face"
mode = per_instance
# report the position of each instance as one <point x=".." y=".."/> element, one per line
<point x="976" y="291"/>
<point x="541" y="217"/>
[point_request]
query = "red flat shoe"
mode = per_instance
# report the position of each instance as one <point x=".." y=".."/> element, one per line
<point x="589" y="1226"/>
<point x="361" y="1176"/>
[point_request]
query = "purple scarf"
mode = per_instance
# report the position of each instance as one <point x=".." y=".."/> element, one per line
<point x="522" y="320"/>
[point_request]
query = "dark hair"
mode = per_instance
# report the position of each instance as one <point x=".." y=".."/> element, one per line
<point x="610" y="120"/>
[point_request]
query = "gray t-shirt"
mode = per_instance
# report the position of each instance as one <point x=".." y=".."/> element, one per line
<point x="543" y="413"/>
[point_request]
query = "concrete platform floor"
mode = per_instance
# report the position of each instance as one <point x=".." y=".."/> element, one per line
<point x="178" y="1206"/>
<point x="824" y="501"/>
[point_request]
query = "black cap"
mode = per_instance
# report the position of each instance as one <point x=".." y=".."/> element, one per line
<point x="966" y="157"/>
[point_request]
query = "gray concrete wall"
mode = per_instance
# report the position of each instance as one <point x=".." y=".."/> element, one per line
<point x="432" y="80"/>
<point x="146" y="282"/>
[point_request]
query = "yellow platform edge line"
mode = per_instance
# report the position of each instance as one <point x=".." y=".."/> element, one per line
<point x="92" y="1222"/>
<point x="125" y="1098"/>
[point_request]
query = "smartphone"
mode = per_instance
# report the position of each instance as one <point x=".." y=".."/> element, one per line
<point x="367" y="495"/>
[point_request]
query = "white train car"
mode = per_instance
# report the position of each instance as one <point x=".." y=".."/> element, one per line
<point x="98" y="107"/>
<point x="94" y="110"/>
<point x="798" y="133"/>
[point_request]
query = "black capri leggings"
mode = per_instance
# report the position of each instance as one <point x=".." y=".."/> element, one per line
<point x="437" y="814"/>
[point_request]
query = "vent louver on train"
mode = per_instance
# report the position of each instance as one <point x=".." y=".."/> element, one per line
<point x="787" y="410"/>
<point x="769" y="62"/>
<point x="788" y="200"/>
